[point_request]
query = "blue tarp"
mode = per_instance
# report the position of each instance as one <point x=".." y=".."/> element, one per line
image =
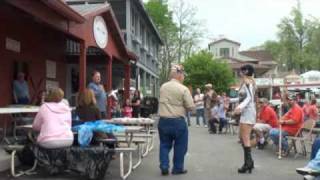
<point x="86" y="130"/>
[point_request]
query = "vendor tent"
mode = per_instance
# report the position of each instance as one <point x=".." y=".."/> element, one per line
<point x="311" y="77"/>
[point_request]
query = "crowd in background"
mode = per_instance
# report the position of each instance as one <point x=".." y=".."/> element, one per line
<point x="216" y="109"/>
<point x="92" y="104"/>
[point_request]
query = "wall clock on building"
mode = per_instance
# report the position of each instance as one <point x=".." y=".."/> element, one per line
<point x="100" y="32"/>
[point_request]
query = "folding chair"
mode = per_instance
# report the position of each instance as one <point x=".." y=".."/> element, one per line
<point x="303" y="135"/>
<point x="231" y="126"/>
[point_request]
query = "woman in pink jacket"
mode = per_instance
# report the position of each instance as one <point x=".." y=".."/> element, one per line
<point x="53" y="121"/>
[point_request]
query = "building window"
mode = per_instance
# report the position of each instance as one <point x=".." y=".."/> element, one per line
<point x="143" y="36"/>
<point x="133" y="22"/>
<point x="232" y="52"/>
<point x="225" y="52"/>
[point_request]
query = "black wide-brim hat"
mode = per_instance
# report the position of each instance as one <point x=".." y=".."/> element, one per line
<point x="247" y="70"/>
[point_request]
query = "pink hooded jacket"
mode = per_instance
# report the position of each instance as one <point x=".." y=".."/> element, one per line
<point x="54" y="122"/>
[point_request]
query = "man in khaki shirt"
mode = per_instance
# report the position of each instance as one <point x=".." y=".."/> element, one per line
<point x="175" y="101"/>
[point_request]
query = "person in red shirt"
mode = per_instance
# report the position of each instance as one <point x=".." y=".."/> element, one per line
<point x="291" y="122"/>
<point x="267" y="119"/>
<point x="306" y="110"/>
<point x="313" y="110"/>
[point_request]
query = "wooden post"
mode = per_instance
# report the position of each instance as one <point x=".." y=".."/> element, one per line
<point x="127" y="76"/>
<point x="83" y="66"/>
<point x="109" y="85"/>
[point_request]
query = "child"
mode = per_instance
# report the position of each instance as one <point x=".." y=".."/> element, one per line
<point x="115" y="110"/>
<point x="127" y="109"/>
<point x="214" y="119"/>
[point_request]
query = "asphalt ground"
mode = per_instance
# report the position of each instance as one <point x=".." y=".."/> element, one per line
<point x="210" y="156"/>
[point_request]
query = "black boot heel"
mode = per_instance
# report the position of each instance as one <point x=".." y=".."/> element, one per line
<point x="248" y="162"/>
<point x="244" y="169"/>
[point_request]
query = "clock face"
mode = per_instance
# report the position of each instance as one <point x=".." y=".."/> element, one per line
<point x="100" y="32"/>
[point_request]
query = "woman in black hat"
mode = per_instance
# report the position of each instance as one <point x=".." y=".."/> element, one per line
<point x="247" y="109"/>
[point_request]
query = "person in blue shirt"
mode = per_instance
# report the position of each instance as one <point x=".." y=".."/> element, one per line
<point x="21" y="90"/>
<point x="99" y="92"/>
<point x="221" y="114"/>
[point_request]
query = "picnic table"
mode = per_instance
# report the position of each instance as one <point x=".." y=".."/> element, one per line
<point x="129" y="131"/>
<point x="131" y="121"/>
<point x="13" y="110"/>
<point x="147" y="123"/>
<point x="16" y="109"/>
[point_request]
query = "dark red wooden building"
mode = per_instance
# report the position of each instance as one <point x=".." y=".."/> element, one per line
<point x="57" y="44"/>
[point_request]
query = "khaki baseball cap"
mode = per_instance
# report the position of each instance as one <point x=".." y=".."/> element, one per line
<point x="209" y="85"/>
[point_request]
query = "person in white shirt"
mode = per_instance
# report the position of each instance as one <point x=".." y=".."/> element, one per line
<point x="198" y="100"/>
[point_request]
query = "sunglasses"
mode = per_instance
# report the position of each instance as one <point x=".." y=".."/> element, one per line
<point x="182" y="72"/>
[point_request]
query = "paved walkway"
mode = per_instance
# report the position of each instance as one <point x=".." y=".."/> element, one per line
<point x="210" y="157"/>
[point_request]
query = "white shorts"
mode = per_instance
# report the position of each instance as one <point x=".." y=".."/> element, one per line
<point x="262" y="127"/>
<point x="53" y="144"/>
<point x="248" y="116"/>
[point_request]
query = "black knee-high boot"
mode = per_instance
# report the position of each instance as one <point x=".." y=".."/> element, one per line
<point x="248" y="162"/>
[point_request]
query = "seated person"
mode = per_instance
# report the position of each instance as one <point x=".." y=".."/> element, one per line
<point x="222" y="108"/>
<point x="214" y="119"/>
<point x="313" y="110"/>
<point x="54" y="122"/>
<point x="267" y="119"/>
<point x="21" y="90"/>
<point x="291" y="122"/>
<point x="115" y="109"/>
<point x="312" y="169"/>
<point x="87" y="109"/>
<point x="127" y="109"/>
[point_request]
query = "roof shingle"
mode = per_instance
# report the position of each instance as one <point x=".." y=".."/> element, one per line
<point x="261" y="55"/>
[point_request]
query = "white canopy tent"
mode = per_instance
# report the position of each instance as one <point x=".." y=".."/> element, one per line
<point x="311" y="77"/>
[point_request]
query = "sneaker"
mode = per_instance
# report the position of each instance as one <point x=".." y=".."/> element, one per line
<point x="197" y="126"/>
<point x="309" y="177"/>
<point x="284" y="153"/>
<point x="205" y="126"/>
<point x="307" y="171"/>
<point x="164" y="172"/>
<point x="179" y="172"/>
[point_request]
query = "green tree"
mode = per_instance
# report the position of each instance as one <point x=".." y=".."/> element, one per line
<point x="298" y="45"/>
<point x="190" y="30"/>
<point x="292" y="36"/>
<point x="162" y="17"/>
<point x="312" y="49"/>
<point x="180" y="32"/>
<point x="202" y="68"/>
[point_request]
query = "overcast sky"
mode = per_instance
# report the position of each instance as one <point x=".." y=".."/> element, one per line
<point x="250" y="22"/>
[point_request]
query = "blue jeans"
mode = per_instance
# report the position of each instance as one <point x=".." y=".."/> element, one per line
<point x="24" y="100"/>
<point x="173" y="132"/>
<point x="315" y="148"/>
<point x="200" y="113"/>
<point x="222" y="124"/>
<point x="315" y="155"/>
<point x="188" y="114"/>
<point x="274" y="136"/>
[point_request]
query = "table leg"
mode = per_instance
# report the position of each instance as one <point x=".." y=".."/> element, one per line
<point x="4" y="138"/>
